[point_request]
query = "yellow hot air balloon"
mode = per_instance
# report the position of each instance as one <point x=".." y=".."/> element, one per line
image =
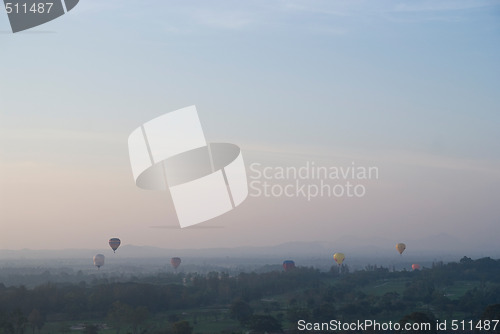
<point x="401" y="247"/>
<point x="339" y="258"/>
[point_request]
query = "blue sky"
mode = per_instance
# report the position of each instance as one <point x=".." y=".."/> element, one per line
<point x="411" y="87"/>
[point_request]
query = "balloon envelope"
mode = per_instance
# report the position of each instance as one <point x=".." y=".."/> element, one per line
<point x="114" y="243"/>
<point x="288" y="265"/>
<point x="415" y="266"/>
<point x="401" y="247"/>
<point x="339" y="258"/>
<point x="99" y="260"/>
<point x="175" y="262"/>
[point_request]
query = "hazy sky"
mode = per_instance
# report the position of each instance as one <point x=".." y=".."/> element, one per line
<point x="411" y="88"/>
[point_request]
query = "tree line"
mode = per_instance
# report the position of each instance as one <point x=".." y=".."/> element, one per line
<point x="268" y="301"/>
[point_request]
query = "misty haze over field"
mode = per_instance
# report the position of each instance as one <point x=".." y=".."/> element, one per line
<point x="359" y="253"/>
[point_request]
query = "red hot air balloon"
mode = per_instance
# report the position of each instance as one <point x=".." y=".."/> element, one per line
<point x="175" y="262"/>
<point x="288" y="265"/>
<point x="114" y="243"/>
<point x="415" y="266"/>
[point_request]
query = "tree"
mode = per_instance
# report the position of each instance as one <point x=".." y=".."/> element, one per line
<point x="182" y="327"/>
<point x="19" y="321"/>
<point x="138" y="317"/>
<point x="419" y="318"/>
<point x="344" y="269"/>
<point x="265" y="323"/>
<point x="241" y="311"/>
<point x="90" y="329"/>
<point x="296" y="313"/>
<point x="118" y="315"/>
<point x="324" y="312"/>
<point x="5" y="323"/>
<point x="36" y="320"/>
<point x="173" y="318"/>
<point x="466" y="260"/>
<point x="492" y="312"/>
<point x="121" y="314"/>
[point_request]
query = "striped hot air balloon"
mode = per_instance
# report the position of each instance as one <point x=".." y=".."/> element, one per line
<point x="114" y="243"/>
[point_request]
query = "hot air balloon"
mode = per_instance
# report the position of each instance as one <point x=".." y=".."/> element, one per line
<point x="175" y="262"/>
<point x="339" y="258"/>
<point x="401" y="247"/>
<point x="99" y="260"/>
<point x="114" y="243"/>
<point x="288" y="265"/>
<point x="415" y="266"/>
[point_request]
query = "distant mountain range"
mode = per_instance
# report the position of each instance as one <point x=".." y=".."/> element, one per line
<point x="437" y="246"/>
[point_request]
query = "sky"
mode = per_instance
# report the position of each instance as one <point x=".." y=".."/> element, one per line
<point x="410" y="88"/>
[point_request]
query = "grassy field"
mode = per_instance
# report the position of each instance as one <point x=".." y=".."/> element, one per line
<point x="459" y="288"/>
<point x="216" y="319"/>
<point x="381" y="287"/>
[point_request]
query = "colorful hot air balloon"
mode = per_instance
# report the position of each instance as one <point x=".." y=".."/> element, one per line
<point x="339" y="258"/>
<point x="175" y="262"/>
<point x="415" y="266"/>
<point x="401" y="247"/>
<point x="99" y="260"/>
<point x="288" y="265"/>
<point x="114" y="243"/>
